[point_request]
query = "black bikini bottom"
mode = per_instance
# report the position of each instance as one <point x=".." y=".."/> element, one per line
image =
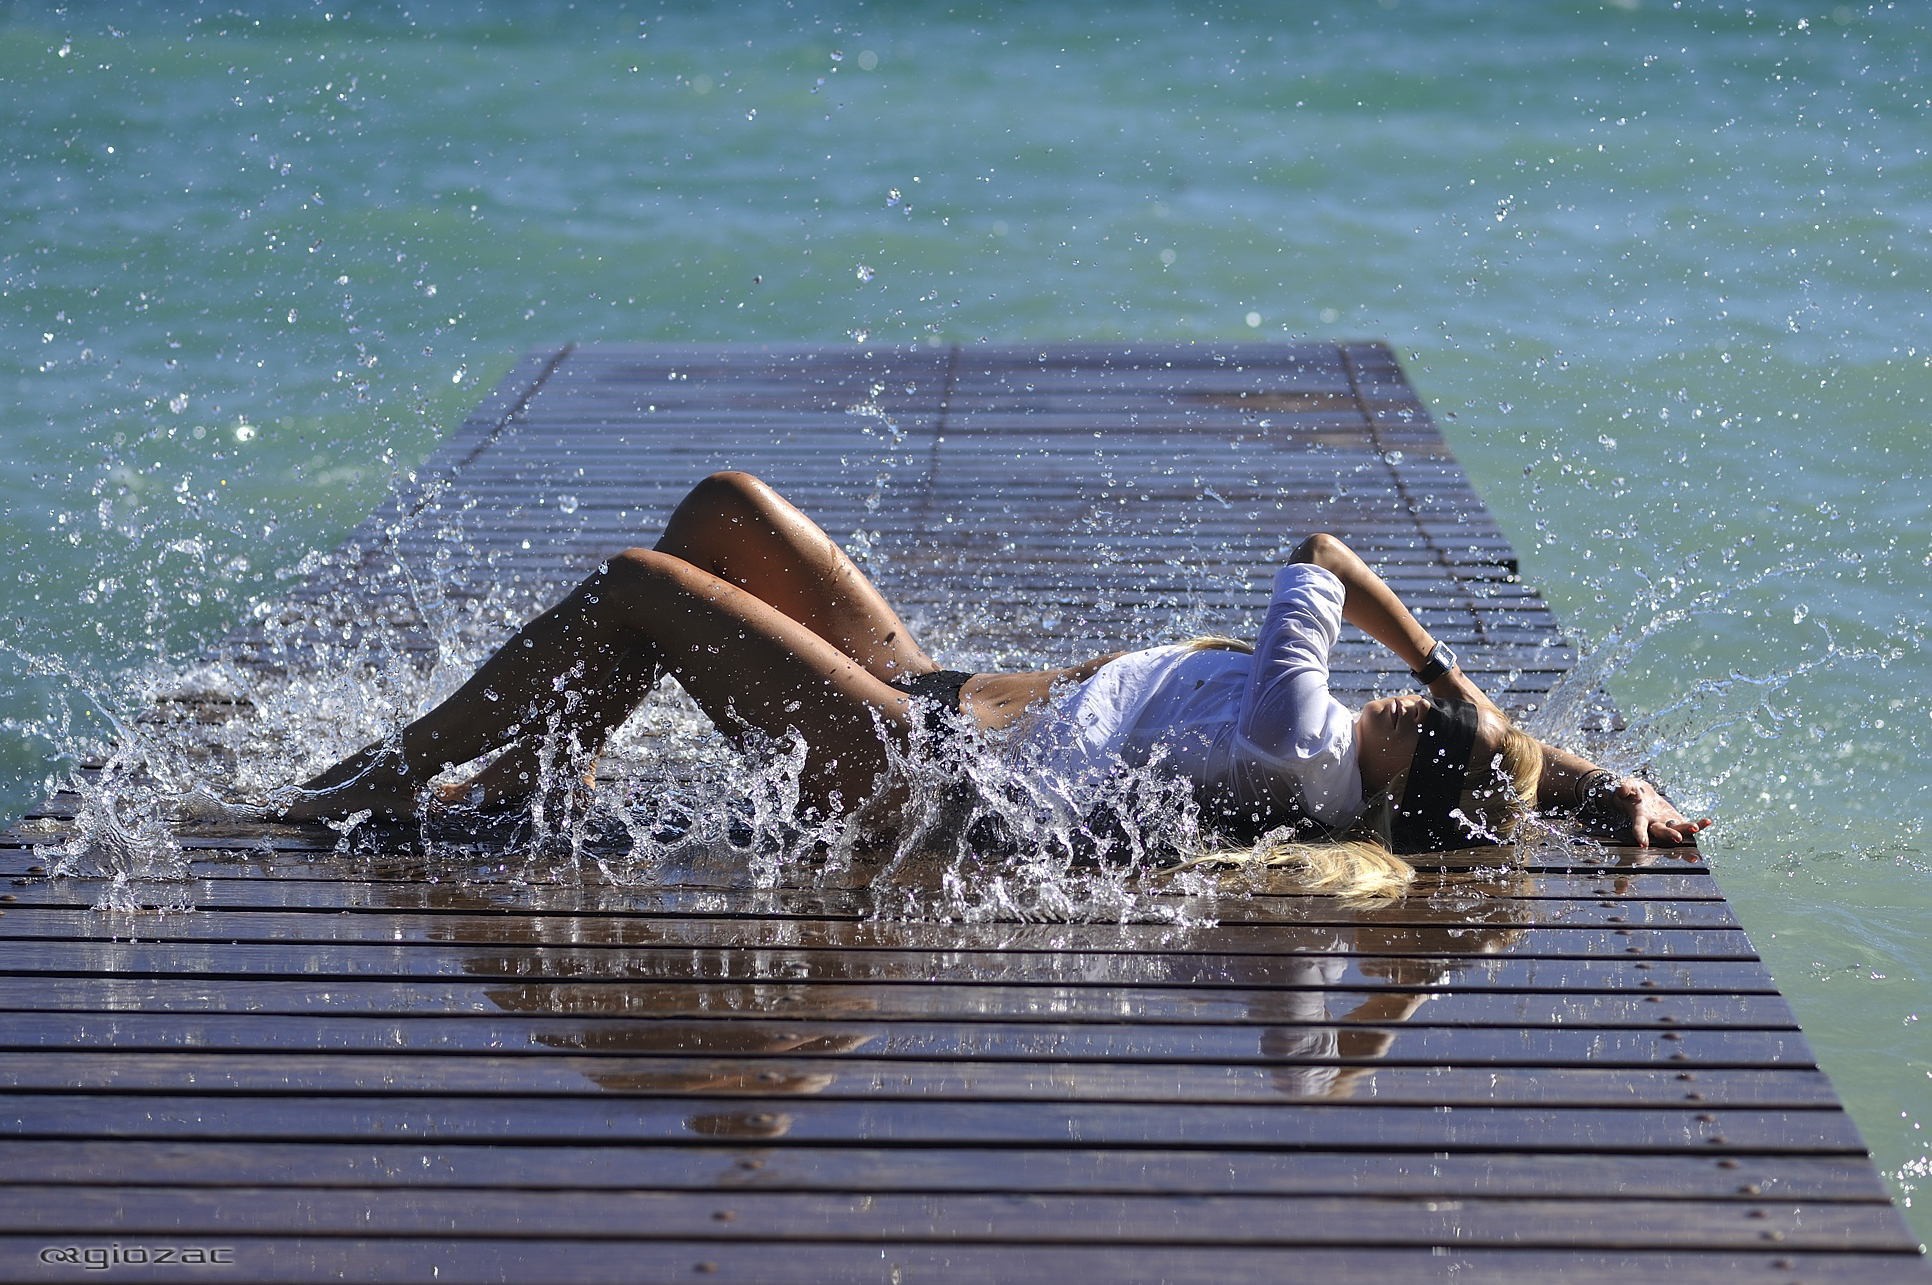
<point x="941" y="689"/>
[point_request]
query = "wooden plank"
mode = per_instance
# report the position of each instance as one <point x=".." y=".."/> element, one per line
<point x="963" y="1219"/>
<point x="1319" y="1063"/>
<point x="833" y="1000"/>
<point x="400" y="893"/>
<point x="290" y="1258"/>
<point x="1262" y="976"/>
<point x="1417" y="1041"/>
<point x="723" y="1166"/>
<point x="1453" y="943"/>
<point x="1695" y="1128"/>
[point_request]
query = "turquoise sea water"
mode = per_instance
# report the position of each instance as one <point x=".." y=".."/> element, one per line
<point x="1661" y="270"/>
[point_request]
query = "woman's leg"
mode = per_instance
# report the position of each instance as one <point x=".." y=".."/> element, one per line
<point x="574" y="739"/>
<point x="748" y="665"/>
<point x="742" y="531"/>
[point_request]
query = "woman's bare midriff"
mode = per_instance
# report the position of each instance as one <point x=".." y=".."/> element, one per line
<point x="997" y="701"/>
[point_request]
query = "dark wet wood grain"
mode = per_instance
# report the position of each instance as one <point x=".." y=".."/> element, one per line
<point x="948" y="1219"/>
<point x="715" y="1165"/>
<point x="621" y="1254"/>
<point x="351" y="1061"/>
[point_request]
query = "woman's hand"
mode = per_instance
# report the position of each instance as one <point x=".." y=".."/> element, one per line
<point x="1651" y="818"/>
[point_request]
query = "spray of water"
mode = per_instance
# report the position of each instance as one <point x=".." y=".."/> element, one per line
<point x="963" y="829"/>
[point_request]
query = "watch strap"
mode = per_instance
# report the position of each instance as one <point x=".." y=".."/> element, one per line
<point x="1439" y="662"/>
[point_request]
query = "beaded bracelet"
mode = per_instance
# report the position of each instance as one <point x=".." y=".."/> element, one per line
<point x="1594" y="790"/>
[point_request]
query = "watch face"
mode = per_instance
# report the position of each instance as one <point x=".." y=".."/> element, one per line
<point x="1439" y="662"/>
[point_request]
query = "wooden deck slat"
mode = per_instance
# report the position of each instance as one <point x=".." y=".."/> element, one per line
<point x="724" y="1167"/>
<point x="954" y="1079"/>
<point x="1416" y="1042"/>
<point x="402" y="893"/>
<point x="763" y="1001"/>
<point x="961" y="1219"/>
<point x="359" y="1062"/>
<point x="632" y="933"/>
<point x="810" y="1262"/>
<point x="1251" y="973"/>
<point x="1713" y="1130"/>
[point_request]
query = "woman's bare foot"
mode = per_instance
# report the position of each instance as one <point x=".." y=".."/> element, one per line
<point x="508" y="783"/>
<point x="373" y="779"/>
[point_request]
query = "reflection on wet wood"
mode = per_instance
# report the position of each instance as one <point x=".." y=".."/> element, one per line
<point x="1095" y="1002"/>
<point x="1701" y="1128"/>
<point x="1175" y="1172"/>
<point x="710" y="967"/>
<point x="1308" y="1062"/>
<point x="1423" y="1041"/>
<point x="355" y="1060"/>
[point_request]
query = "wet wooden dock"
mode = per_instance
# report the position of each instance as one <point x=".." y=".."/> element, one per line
<point x="354" y="1066"/>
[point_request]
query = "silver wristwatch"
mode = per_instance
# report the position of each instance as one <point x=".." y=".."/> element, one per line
<point x="1439" y="662"/>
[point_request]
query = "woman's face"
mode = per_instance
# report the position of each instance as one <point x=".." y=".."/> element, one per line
<point x="1388" y="730"/>
<point x="1386" y="734"/>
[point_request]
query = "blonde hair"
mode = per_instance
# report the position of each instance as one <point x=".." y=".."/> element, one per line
<point x="1218" y="642"/>
<point x="1500" y="792"/>
<point x="1355" y="870"/>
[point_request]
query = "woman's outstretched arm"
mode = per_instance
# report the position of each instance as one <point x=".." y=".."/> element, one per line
<point x="1569" y="780"/>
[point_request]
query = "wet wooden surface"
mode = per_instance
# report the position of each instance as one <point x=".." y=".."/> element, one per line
<point x="349" y="1062"/>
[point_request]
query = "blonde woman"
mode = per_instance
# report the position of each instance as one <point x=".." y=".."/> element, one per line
<point x="774" y="631"/>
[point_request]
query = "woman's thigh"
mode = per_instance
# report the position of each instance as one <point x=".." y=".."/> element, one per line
<point x="753" y="668"/>
<point x="742" y="531"/>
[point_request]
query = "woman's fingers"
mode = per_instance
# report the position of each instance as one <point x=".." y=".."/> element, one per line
<point x="1674" y="828"/>
<point x="1652" y="816"/>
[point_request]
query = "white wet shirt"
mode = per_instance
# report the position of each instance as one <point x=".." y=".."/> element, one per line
<point x="1256" y="733"/>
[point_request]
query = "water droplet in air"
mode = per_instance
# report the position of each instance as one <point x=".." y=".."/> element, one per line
<point x="568" y="503"/>
<point x="864" y="273"/>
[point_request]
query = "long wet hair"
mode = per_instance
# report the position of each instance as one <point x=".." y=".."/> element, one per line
<point x="1499" y="793"/>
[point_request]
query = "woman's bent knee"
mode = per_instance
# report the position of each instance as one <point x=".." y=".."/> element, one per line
<point x="731" y="489"/>
<point x="646" y="566"/>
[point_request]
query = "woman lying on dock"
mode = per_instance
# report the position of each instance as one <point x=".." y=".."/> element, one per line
<point x="775" y="632"/>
